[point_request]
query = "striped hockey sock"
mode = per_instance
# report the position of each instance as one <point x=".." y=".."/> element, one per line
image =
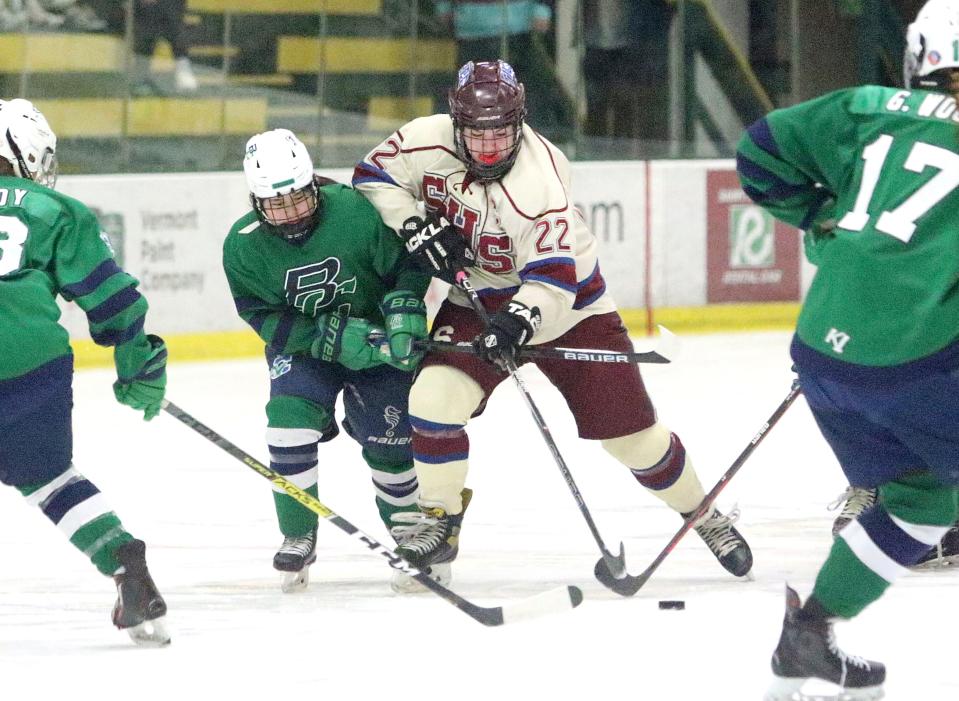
<point x="875" y="550"/>
<point x="395" y="486"/>
<point x="75" y="506"/>
<point x="293" y="454"/>
<point x="441" y="456"/>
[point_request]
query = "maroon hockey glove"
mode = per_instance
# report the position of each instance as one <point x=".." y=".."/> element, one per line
<point x="509" y="328"/>
<point x="436" y="247"/>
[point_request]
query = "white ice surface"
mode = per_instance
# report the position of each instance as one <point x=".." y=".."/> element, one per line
<point x="210" y="528"/>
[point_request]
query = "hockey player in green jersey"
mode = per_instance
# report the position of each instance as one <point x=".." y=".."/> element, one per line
<point x="50" y="245"/>
<point x="872" y="175"/>
<point x="315" y="272"/>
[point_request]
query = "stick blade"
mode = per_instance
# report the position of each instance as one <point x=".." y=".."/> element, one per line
<point x="553" y="601"/>
<point x="624" y="585"/>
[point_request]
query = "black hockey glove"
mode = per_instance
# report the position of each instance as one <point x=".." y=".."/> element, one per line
<point x="509" y="328"/>
<point x="436" y="247"/>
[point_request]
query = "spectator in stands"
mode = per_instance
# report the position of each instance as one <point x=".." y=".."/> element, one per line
<point x="154" y="20"/>
<point x="515" y="31"/>
<point x="48" y="14"/>
<point x="626" y="68"/>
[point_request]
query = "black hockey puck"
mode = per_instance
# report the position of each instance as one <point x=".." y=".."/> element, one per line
<point x="677" y="605"/>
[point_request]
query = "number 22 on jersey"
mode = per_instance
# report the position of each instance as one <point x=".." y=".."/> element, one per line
<point x="901" y="221"/>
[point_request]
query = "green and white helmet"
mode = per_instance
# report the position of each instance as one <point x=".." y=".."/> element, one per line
<point x="932" y="46"/>
<point x="27" y="142"/>
<point x="283" y="188"/>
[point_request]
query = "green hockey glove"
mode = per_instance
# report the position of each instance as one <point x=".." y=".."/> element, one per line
<point x="344" y="340"/>
<point x="405" y="315"/>
<point x="144" y="392"/>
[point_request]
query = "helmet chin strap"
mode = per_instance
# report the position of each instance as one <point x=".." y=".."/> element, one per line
<point x="24" y="172"/>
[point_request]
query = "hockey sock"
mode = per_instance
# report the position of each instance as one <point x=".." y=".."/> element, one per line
<point x="395" y="486"/>
<point x="293" y="454"/>
<point x="440" y="453"/>
<point x="80" y="511"/>
<point x="671" y="478"/>
<point x="879" y="547"/>
<point x="846" y="585"/>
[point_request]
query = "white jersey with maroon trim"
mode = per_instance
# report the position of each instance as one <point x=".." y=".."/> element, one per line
<point x="531" y="244"/>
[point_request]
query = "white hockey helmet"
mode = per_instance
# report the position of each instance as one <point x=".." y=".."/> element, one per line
<point x="282" y="184"/>
<point x="27" y="142"/>
<point x="932" y="46"/>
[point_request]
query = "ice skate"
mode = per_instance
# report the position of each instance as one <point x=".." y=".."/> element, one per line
<point x="807" y="650"/>
<point x="945" y="553"/>
<point x="428" y="540"/>
<point x="402" y="583"/>
<point x="854" y="501"/>
<point x="725" y="542"/>
<point x="293" y="559"/>
<point x="139" y="610"/>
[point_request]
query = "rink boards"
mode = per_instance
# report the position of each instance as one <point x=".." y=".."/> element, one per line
<point x="680" y="245"/>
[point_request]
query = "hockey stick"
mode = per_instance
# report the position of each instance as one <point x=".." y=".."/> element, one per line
<point x="664" y="352"/>
<point x="558" y="599"/>
<point x="628" y="585"/>
<point x="615" y="564"/>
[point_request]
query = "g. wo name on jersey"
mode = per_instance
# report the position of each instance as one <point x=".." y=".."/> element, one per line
<point x="18" y="195"/>
<point x="494" y="250"/>
<point x="934" y="105"/>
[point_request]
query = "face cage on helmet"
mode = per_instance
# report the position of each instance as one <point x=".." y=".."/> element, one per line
<point x="487" y="171"/>
<point x="277" y="219"/>
<point x="47" y="172"/>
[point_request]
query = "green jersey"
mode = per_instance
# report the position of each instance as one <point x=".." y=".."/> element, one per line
<point x="873" y="174"/>
<point x="348" y="264"/>
<point x="51" y="244"/>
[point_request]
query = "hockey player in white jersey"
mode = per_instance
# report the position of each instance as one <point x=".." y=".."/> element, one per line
<point x="479" y="189"/>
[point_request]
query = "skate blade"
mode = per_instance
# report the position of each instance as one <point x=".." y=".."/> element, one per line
<point x="940" y="563"/>
<point x="790" y="689"/>
<point x="150" y="633"/>
<point x="295" y="582"/>
<point x="402" y="583"/>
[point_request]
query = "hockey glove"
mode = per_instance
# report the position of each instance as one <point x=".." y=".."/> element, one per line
<point x="346" y="340"/>
<point x="144" y="392"/>
<point x="509" y="328"/>
<point x="405" y="316"/>
<point x="436" y="247"/>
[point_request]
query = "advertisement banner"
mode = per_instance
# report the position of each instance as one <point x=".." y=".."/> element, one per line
<point x="751" y="257"/>
<point x="611" y="198"/>
<point x="167" y="231"/>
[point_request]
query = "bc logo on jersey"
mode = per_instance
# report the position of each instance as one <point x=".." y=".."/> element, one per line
<point x="314" y="287"/>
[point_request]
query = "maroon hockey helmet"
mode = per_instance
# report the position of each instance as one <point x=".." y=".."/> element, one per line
<point x="488" y="97"/>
